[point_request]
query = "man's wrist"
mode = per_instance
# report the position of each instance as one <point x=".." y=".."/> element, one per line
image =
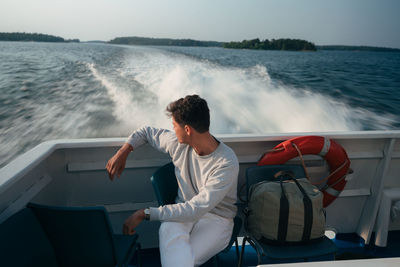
<point x="125" y="149"/>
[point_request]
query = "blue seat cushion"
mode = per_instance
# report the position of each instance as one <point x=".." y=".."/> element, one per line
<point x="316" y="249"/>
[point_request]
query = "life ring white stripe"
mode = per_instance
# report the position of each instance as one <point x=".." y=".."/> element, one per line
<point x="326" y="147"/>
<point x="333" y="192"/>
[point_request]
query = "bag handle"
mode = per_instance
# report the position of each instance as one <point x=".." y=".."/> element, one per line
<point x="290" y="174"/>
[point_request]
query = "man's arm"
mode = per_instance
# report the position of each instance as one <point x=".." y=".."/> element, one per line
<point x="215" y="190"/>
<point x="163" y="140"/>
<point x="116" y="164"/>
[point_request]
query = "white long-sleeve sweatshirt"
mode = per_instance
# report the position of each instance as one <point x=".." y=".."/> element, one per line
<point x="206" y="183"/>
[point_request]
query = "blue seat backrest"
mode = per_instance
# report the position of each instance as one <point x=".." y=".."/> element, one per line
<point x="165" y="184"/>
<point x="80" y="236"/>
<point x="23" y="242"/>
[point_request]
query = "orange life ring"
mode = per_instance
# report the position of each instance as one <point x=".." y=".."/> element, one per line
<point x="331" y="151"/>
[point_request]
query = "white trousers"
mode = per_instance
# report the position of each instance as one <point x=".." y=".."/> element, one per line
<point x="190" y="244"/>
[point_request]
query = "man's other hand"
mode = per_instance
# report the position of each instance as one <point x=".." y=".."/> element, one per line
<point x="116" y="164"/>
<point x="132" y="222"/>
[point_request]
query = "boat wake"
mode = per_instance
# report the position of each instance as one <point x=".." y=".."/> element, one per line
<point x="241" y="100"/>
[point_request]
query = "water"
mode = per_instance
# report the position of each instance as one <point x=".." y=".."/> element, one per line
<point x="51" y="91"/>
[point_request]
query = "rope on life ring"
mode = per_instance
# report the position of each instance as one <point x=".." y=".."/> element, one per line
<point x="332" y="152"/>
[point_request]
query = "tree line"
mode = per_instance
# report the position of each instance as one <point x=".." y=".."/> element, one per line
<point x="36" y="37"/>
<point x="279" y="44"/>
<point x="162" y="41"/>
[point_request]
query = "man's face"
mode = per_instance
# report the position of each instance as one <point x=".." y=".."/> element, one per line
<point x="179" y="131"/>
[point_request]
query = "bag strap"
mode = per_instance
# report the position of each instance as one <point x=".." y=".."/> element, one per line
<point x="284" y="209"/>
<point x="302" y="160"/>
<point x="283" y="213"/>
<point x="308" y="213"/>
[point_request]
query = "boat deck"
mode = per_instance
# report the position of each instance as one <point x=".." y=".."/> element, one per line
<point x="350" y="247"/>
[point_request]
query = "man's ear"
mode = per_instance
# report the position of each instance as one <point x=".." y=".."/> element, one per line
<point x="188" y="129"/>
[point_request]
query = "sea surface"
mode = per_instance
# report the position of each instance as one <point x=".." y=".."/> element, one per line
<point x="78" y="90"/>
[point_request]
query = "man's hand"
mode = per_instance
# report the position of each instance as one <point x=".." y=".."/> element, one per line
<point x="132" y="222"/>
<point x="116" y="164"/>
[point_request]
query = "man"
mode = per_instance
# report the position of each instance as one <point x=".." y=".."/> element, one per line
<point x="200" y="224"/>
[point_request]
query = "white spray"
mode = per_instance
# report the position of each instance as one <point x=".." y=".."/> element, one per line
<point x="240" y="100"/>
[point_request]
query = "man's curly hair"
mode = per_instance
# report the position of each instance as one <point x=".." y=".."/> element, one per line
<point x="191" y="110"/>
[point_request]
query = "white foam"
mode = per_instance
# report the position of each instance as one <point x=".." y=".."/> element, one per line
<point x="241" y="100"/>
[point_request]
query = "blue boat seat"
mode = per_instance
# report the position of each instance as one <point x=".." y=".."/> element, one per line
<point x="324" y="249"/>
<point x="23" y="242"/>
<point x="82" y="236"/>
<point x="166" y="188"/>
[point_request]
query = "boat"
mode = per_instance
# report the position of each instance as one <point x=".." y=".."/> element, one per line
<point x="72" y="172"/>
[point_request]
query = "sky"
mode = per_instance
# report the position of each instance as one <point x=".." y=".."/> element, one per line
<point x="323" y="22"/>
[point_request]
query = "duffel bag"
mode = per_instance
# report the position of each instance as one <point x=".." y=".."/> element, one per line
<point x="285" y="210"/>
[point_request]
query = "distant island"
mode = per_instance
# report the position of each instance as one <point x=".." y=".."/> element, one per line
<point x="257" y="44"/>
<point x="33" y="37"/>
<point x="163" y="41"/>
<point x="279" y="44"/>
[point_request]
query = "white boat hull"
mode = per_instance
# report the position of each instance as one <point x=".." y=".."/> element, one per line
<point x="72" y="172"/>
